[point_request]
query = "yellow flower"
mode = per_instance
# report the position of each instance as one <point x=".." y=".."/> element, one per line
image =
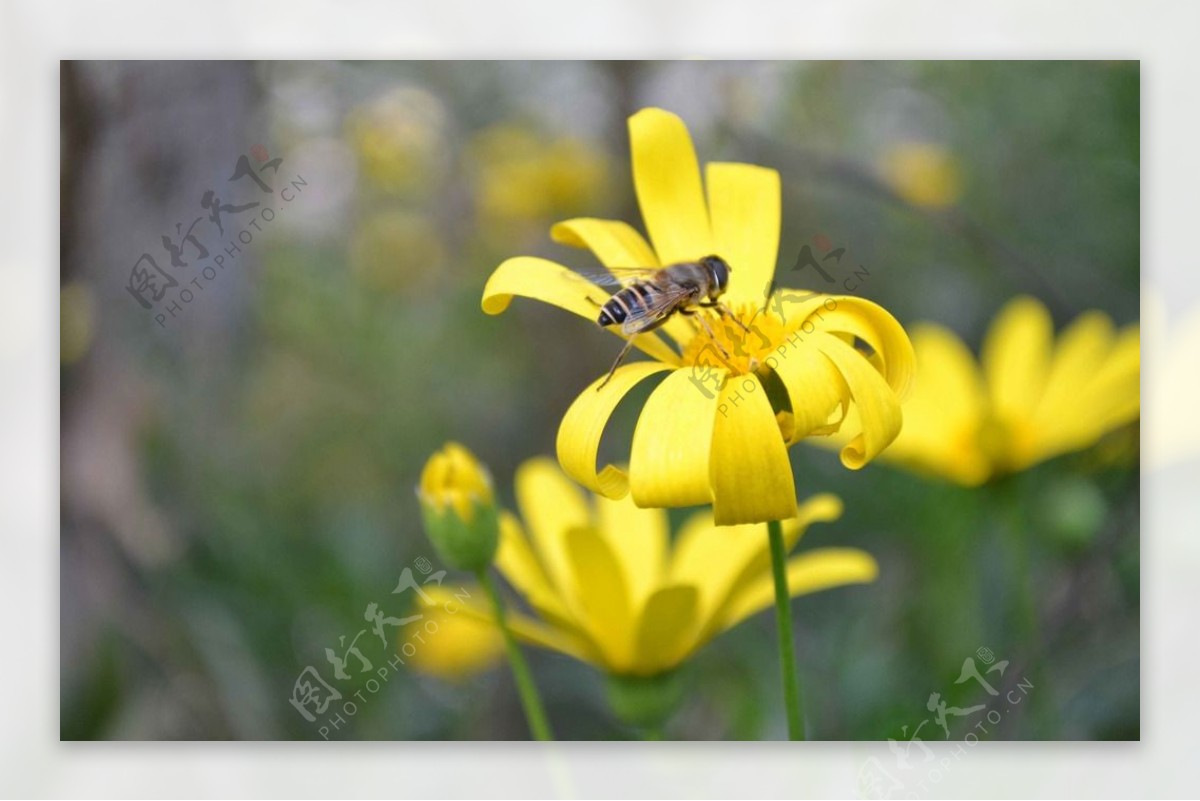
<point x="923" y="173"/>
<point x="717" y="428"/>
<point x="458" y="508"/>
<point x="449" y="643"/>
<point x="1029" y="400"/>
<point x="609" y="588"/>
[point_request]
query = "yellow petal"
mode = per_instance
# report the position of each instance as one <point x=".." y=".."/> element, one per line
<point x="744" y="212"/>
<point x="712" y="558"/>
<point x="550" y="506"/>
<point x="813" y="385"/>
<point x="601" y="598"/>
<point x="617" y="244"/>
<point x="943" y="414"/>
<point x="1016" y="355"/>
<point x="666" y="629"/>
<point x="520" y="566"/>
<point x="531" y="631"/>
<point x="816" y="570"/>
<point x="552" y="283"/>
<point x="639" y="538"/>
<point x="582" y="427"/>
<point x="878" y="410"/>
<point x="723" y="561"/>
<point x="876" y="326"/>
<point x="666" y="176"/>
<point x="749" y="470"/>
<point x="668" y="465"/>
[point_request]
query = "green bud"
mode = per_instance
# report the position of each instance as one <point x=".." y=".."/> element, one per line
<point x="459" y="510"/>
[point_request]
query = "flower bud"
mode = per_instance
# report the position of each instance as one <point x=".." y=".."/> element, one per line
<point x="457" y="505"/>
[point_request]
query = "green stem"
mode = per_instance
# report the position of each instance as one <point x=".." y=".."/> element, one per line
<point x="530" y="701"/>
<point x="783" y="620"/>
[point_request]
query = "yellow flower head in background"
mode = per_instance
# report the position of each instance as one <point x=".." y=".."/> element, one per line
<point x="717" y="428"/>
<point x="1030" y="399"/>
<point x="609" y="588"/>
<point x="461" y="645"/>
<point x="923" y="173"/>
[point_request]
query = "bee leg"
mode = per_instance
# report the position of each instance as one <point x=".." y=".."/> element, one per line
<point x="724" y="311"/>
<point x="617" y="363"/>
<point x="704" y="322"/>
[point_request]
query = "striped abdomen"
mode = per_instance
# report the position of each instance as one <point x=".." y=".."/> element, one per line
<point x="627" y="302"/>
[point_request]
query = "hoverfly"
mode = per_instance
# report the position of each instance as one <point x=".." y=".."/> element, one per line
<point x="649" y="296"/>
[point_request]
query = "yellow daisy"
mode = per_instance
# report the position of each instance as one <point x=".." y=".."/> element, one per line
<point x="608" y="587"/>
<point x="449" y="643"/>
<point x="1029" y="399"/>
<point x="717" y="427"/>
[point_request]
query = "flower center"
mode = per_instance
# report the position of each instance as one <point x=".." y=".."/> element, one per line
<point x="740" y="349"/>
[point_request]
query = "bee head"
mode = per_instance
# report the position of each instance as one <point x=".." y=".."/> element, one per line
<point x="718" y="272"/>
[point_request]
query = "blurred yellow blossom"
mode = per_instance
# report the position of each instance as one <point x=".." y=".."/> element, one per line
<point x="449" y="643"/>
<point x="401" y="140"/>
<point x="610" y="588"/>
<point x="1030" y="399"/>
<point x="521" y="176"/>
<point x="923" y="173"/>
<point x="717" y="428"/>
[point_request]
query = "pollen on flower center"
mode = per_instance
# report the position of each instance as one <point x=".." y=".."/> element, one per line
<point x="732" y="347"/>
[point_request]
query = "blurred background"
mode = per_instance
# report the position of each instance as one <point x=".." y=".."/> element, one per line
<point x="238" y="463"/>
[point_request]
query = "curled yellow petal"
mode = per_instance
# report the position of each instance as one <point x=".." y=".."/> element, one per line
<point x="544" y="280"/>
<point x="666" y="176"/>
<point x="813" y="385"/>
<point x="744" y="212"/>
<point x="874" y="325"/>
<point x="583" y="425"/>
<point x="668" y="465"/>
<point x="876" y="405"/>
<point x="749" y="469"/>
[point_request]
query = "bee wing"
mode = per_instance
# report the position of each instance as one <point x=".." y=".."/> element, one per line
<point x="617" y="276"/>
<point x="656" y="309"/>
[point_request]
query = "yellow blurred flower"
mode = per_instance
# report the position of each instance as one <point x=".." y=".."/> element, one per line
<point x="401" y="140"/>
<point x="923" y="173"/>
<point x="609" y="588"/>
<point x="1029" y="400"/>
<point x="520" y="176"/>
<point x="716" y="430"/>
<point x="448" y="642"/>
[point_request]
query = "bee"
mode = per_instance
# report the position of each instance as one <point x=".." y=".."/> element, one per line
<point x="649" y="297"/>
